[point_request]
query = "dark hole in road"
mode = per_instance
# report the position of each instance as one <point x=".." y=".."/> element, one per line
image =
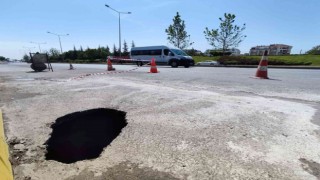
<point x="83" y="135"/>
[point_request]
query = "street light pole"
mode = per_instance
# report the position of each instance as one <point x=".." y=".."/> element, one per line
<point x="38" y="44"/>
<point x="71" y="67"/>
<point x="119" y="25"/>
<point x="29" y="48"/>
<point x="119" y="38"/>
<point x="59" y="38"/>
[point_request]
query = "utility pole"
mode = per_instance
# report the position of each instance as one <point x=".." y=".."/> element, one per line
<point x="119" y="25"/>
<point x="38" y="45"/>
<point x="59" y="35"/>
<point x="59" y="38"/>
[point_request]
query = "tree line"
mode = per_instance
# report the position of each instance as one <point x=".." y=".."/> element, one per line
<point x="227" y="35"/>
<point x="2" y="58"/>
<point x="85" y="55"/>
<point x="314" y="51"/>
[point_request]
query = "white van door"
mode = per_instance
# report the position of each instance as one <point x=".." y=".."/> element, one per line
<point x="167" y="55"/>
<point x="156" y="54"/>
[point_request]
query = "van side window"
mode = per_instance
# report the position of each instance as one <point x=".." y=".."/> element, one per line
<point x="155" y="52"/>
<point x="152" y="52"/>
<point x="166" y="52"/>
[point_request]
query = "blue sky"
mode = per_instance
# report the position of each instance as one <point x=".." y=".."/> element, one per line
<point x="90" y="23"/>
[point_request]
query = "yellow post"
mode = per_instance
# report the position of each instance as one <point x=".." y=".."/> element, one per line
<point x="5" y="166"/>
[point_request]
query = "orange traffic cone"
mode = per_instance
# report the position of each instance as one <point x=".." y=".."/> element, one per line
<point x="262" y="71"/>
<point x="153" y="68"/>
<point x="110" y="68"/>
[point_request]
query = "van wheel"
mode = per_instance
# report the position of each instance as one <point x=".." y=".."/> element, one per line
<point x="174" y="64"/>
<point x="139" y="63"/>
<point x="186" y="66"/>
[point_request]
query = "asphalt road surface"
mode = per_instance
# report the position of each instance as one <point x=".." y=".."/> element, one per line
<point x="183" y="123"/>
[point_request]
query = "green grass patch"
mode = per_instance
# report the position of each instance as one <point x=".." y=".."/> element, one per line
<point x="204" y="58"/>
<point x="297" y="60"/>
<point x="313" y="60"/>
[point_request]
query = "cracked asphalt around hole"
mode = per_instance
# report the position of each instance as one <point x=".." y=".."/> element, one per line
<point x="183" y="123"/>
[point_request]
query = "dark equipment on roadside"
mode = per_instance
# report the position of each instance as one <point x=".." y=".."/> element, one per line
<point x="38" y="62"/>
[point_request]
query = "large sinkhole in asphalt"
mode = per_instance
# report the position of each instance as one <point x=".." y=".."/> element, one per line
<point x="83" y="135"/>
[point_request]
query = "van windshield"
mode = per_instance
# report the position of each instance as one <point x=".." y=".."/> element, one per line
<point x="179" y="52"/>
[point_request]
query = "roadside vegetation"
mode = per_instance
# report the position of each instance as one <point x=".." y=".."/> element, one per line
<point x="203" y="58"/>
<point x="3" y="59"/>
<point x="177" y="35"/>
<point x="305" y="60"/>
<point x="315" y="50"/>
<point x="227" y="35"/>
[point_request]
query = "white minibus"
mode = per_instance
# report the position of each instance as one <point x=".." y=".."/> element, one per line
<point x="162" y="54"/>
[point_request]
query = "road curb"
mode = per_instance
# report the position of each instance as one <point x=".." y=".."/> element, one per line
<point x="5" y="166"/>
<point x="270" y="66"/>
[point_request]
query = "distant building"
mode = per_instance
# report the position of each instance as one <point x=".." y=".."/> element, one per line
<point x="280" y="49"/>
<point x="258" y="50"/>
<point x="234" y="51"/>
<point x="197" y="52"/>
<point x="193" y="52"/>
<point x="219" y="52"/>
<point x="273" y="49"/>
